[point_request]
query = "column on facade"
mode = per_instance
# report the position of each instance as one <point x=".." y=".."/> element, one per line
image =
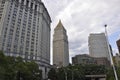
<point x="25" y="52"/>
<point x="22" y="26"/>
<point x="8" y="29"/>
<point x="2" y="22"/>
<point x="14" y="33"/>
<point x="20" y="1"/>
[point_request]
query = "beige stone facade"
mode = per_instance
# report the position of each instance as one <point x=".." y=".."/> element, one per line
<point x="98" y="45"/>
<point x="60" y="46"/>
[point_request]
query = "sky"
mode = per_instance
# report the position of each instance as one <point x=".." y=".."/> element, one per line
<point x="82" y="17"/>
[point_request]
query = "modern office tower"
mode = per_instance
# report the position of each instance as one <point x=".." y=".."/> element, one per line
<point x="118" y="45"/>
<point x="25" y="30"/>
<point x="60" y="46"/>
<point x="98" y="45"/>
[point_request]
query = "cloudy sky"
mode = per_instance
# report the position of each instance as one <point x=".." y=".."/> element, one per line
<point x="82" y="17"/>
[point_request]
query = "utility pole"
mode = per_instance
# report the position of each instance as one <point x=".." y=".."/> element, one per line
<point x="111" y="59"/>
<point x="65" y="74"/>
<point x="72" y="75"/>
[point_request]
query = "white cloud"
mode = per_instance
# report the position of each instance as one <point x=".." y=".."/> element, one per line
<point x="82" y="17"/>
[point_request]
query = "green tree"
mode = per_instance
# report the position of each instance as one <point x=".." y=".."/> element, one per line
<point x="28" y="70"/>
<point x="92" y="69"/>
<point x="76" y="72"/>
<point x="36" y="74"/>
<point x="118" y="72"/>
<point x="110" y="74"/>
<point x="12" y="68"/>
<point x="62" y="73"/>
<point x="52" y="74"/>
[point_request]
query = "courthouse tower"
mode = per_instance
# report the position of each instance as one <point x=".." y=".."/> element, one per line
<point x="60" y="46"/>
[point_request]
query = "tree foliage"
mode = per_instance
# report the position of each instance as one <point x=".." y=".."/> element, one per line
<point x="52" y="74"/>
<point x="12" y="68"/>
<point x="92" y="69"/>
<point x="70" y="72"/>
<point x="110" y="73"/>
<point x="78" y="72"/>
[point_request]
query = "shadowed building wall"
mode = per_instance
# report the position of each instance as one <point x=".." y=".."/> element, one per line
<point x="118" y="45"/>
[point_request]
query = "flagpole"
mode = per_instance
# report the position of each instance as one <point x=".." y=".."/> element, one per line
<point x="110" y="54"/>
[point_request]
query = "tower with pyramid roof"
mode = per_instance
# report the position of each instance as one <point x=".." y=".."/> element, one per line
<point x="60" y="46"/>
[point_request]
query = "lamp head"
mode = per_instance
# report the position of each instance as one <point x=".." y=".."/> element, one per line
<point x="105" y="25"/>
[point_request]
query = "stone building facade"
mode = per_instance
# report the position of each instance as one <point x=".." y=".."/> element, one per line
<point x="98" y="45"/>
<point x="60" y="46"/>
<point x="25" y="30"/>
<point x="87" y="59"/>
<point x="83" y="59"/>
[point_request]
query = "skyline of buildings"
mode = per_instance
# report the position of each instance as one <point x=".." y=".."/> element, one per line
<point x="25" y="31"/>
<point x="60" y="46"/>
<point x="14" y="7"/>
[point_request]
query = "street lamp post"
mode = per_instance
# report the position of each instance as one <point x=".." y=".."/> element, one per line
<point x="72" y="75"/>
<point x="65" y="74"/>
<point x="111" y="60"/>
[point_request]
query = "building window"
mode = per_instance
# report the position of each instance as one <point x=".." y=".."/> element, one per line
<point x="22" y="2"/>
<point x="35" y="7"/>
<point x="31" y="5"/>
<point x="27" y="4"/>
<point x="3" y="1"/>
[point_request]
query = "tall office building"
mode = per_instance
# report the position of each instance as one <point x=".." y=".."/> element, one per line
<point x="118" y="45"/>
<point x="98" y="45"/>
<point x="60" y="46"/>
<point x="25" y="30"/>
